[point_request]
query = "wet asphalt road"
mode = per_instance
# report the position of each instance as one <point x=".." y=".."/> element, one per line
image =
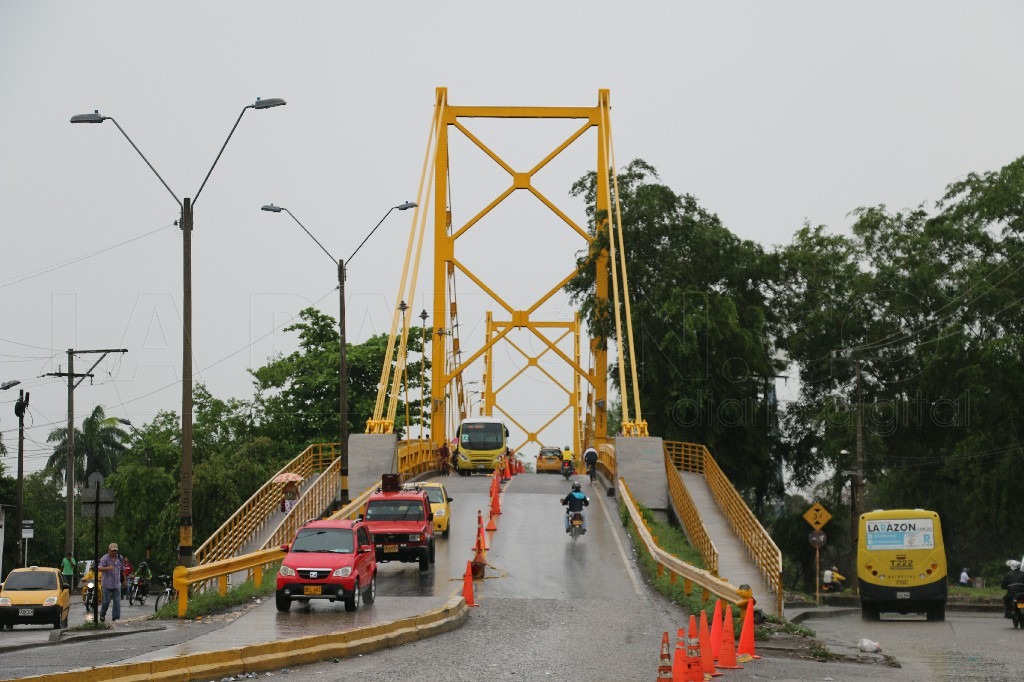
<point x="549" y="610"/>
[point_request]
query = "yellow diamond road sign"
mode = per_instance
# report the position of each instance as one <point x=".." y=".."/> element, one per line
<point x="817" y="516"/>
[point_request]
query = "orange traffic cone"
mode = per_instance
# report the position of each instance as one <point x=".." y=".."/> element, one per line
<point x="467" y="585"/>
<point x="495" y="504"/>
<point x="679" y="657"/>
<point x="716" y="630"/>
<point x="727" y="657"/>
<point x="746" y="646"/>
<point x="693" y="671"/>
<point x="665" y="662"/>
<point x="707" y="659"/>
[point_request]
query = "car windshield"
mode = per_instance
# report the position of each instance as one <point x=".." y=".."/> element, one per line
<point x="337" y="540"/>
<point x="31" y="580"/>
<point x="394" y="510"/>
<point x="551" y="453"/>
<point x="435" y="495"/>
<point x="483" y="436"/>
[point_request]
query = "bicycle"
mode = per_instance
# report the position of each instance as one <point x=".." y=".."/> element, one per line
<point x="167" y="595"/>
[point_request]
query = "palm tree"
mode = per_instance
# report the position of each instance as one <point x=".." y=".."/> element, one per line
<point x="98" y="447"/>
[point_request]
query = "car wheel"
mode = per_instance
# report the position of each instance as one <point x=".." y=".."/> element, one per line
<point x="283" y="603"/>
<point x="371" y="592"/>
<point x="352" y="602"/>
<point x="447" y="529"/>
<point x="424" y="560"/>
<point x="56" y="623"/>
<point x="432" y="551"/>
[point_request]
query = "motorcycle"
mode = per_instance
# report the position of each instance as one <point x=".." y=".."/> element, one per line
<point x="138" y="590"/>
<point x="576" y="525"/>
<point x="1017" y="604"/>
<point x="834" y="587"/>
<point x="90" y="595"/>
<point x="566" y="469"/>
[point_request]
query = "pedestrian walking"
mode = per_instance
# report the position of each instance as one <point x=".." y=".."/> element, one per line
<point x="110" y="569"/>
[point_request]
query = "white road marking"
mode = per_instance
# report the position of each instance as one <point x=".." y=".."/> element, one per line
<point x="630" y="570"/>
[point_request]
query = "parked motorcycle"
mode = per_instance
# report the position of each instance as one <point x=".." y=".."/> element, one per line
<point x="138" y="589"/>
<point x="576" y="525"/>
<point x="566" y="469"/>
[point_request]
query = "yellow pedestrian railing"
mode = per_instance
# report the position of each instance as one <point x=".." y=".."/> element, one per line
<point x="692" y="576"/>
<point x="762" y="549"/>
<point x="689" y="517"/>
<point x="256" y="562"/>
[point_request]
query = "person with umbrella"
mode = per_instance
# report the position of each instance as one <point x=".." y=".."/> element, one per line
<point x="291" y="489"/>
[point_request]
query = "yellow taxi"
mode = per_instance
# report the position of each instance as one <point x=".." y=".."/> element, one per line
<point x="439" y="507"/>
<point x="550" y="460"/>
<point x="35" y="595"/>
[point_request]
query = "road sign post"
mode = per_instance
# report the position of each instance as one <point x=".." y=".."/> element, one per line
<point x="817" y="516"/>
<point x="99" y="502"/>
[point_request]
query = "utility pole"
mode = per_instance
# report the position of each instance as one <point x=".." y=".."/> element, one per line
<point x="858" y="488"/>
<point x="19" y="409"/>
<point x="69" y="477"/>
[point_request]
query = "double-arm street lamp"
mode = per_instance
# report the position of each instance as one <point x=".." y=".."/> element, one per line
<point x="342" y="359"/>
<point x="186" y="205"/>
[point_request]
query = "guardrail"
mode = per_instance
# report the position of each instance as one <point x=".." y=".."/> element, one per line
<point x="184" y="578"/>
<point x="762" y="549"/>
<point x="255" y="513"/>
<point x="691" y="575"/>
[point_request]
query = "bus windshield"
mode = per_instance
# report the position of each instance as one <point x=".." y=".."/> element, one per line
<point x="482" y="435"/>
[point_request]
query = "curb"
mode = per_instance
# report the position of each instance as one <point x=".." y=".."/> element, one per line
<point x="280" y="654"/>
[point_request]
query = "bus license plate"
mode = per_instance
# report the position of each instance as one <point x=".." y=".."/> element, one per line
<point x="390" y="548"/>
<point x="312" y="589"/>
<point x="903" y="595"/>
<point x="25" y="612"/>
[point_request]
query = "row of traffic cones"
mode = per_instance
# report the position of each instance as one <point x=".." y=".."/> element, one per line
<point x="696" y="655"/>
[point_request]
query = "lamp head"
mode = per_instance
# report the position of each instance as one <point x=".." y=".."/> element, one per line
<point x="8" y="384"/>
<point x="407" y="205"/>
<point x="268" y="103"/>
<point x="94" y="117"/>
<point x="423" y="315"/>
<point x="271" y="208"/>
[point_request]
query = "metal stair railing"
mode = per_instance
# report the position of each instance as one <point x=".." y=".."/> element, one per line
<point x="255" y="513"/>
<point x="693" y="526"/>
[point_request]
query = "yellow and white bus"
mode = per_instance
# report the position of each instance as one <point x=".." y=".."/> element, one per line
<point x="901" y="563"/>
<point x="482" y="444"/>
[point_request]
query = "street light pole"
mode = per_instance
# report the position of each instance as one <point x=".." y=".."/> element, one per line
<point x="343" y="494"/>
<point x="186" y="206"/>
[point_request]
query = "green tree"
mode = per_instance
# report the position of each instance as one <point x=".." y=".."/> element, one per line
<point x="44" y="504"/>
<point x="702" y="343"/>
<point x="98" y="446"/>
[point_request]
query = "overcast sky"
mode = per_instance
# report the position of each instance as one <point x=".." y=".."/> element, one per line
<point x="772" y="114"/>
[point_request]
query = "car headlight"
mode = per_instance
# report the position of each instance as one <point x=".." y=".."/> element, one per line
<point x="50" y="601"/>
<point x="4" y="601"/>
<point x="439" y="512"/>
<point x="286" y="571"/>
<point x="343" y="572"/>
<point x="415" y="537"/>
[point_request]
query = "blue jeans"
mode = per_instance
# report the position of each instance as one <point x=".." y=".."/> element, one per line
<point x="111" y="594"/>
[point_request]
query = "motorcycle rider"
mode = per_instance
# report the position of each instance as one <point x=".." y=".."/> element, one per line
<point x="832" y="580"/>
<point x="144" y="575"/>
<point x="575" y="501"/>
<point x="1013" y="583"/>
<point x="567" y="460"/>
<point x="590" y="457"/>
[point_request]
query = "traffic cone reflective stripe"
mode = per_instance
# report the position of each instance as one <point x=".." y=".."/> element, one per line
<point x="727" y="656"/>
<point x="707" y="659"/>
<point x="716" y="630"/>
<point x="665" y="662"/>
<point x="747" y="647"/>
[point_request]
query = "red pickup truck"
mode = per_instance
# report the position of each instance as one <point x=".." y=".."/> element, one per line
<point x="401" y="523"/>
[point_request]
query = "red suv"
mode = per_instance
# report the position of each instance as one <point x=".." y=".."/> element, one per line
<point x="401" y="523"/>
<point x="328" y="560"/>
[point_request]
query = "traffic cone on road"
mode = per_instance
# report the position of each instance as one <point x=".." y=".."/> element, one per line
<point x="665" y="662"/>
<point x="707" y="659"/>
<point x="716" y="630"/>
<point x="467" y="585"/>
<point x="727" y="656"/>
<point x="747" y="646"/>
<point x="693" y="670"/>
<point x="679" y="657"/>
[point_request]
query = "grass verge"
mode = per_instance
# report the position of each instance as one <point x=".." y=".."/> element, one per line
<point x="205" y="603"/>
